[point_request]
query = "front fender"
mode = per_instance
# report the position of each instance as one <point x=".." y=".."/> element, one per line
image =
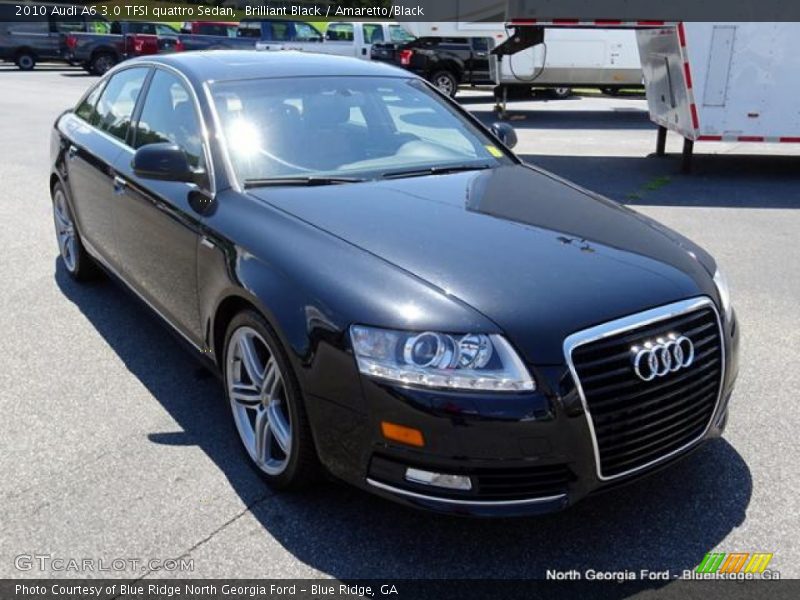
<point x="311" y="286"/>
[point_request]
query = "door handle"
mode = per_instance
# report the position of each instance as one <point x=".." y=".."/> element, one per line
<point x="119" y="185"/>
<point x="72" y="151"/>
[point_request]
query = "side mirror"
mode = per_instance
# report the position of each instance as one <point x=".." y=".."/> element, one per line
<point x="165" y="162"/>
<point x="505" y="133"/>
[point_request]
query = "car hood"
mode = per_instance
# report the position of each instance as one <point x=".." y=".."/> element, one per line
<point x="535" y="254"/>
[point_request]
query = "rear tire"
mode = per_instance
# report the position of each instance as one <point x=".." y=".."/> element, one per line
<point x="77" y="262"/>
<point x="446" y="82"/>
<point x="25" y="61"/>
<point x="561" y="92"/>
<point x="102" y="62"/>
<point x="267" y="405"/>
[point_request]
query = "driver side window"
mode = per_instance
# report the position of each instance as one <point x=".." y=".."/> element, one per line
<point x="169" y="115"/>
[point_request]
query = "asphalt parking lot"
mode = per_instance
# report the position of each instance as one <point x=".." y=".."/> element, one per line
<point x="116" y="445"/>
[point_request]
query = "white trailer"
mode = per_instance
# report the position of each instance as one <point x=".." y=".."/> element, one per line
<point x="604" y="58"/>
<point x="723" y="82"/>
<point x="710" y="81"/>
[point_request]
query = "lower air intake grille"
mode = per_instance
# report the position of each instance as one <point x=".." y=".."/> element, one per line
<point x="490" y="483"/>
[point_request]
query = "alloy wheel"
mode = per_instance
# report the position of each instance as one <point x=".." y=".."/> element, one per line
<point x="65" y="231"/>
<point x="259" y="400"/>
<point x="445" y="84"/>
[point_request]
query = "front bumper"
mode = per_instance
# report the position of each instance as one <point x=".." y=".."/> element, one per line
<point x="574" y="474"/>
<point x="525" y="454"/>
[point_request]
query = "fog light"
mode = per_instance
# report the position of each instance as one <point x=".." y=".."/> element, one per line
<point x="442" y="480"/>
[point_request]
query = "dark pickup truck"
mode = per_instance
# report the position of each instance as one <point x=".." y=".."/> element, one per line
<point x="27" y="42"/>
<point x="445" y="62"/>
<point x="98" y="52"/>
<point x="214" y="35"/>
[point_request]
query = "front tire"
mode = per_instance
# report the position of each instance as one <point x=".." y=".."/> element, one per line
<point x="77" y="261"/>
<point x="25" y="61"/>
<point x="267" y="404"/>
<point x="446" y="82"/>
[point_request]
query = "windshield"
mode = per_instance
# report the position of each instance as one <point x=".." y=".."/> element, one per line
<point x="347" y="127"/>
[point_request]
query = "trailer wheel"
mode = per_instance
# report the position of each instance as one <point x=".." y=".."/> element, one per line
<point x="445" y="82"/>
<point x="561" y="92"/>
<point x="102" y="62"/>
<point x="25" y="61"/>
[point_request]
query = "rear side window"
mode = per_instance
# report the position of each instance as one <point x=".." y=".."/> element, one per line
<point x="169" y="115"/>
<point x="373" y="33"/>
<point x="115" y="107"/>
<point x="339" y="32"/>
<point x="85" y="109"/>
<point x="278" y="32"/>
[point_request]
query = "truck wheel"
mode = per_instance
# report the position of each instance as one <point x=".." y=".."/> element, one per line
<point x="445" y="82"/>
<point x="561" y="92"/>
<point x="101" y="63"/>
<point x="25" y="61"/>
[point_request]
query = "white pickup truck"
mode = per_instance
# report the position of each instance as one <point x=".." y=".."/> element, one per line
<point x="342" y="38"/>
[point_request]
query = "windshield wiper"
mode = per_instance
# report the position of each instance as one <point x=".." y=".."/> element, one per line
<point x="434" y="171"/>
<point x="309" y="180"/>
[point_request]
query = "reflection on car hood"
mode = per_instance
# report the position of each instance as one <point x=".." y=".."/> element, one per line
<point x="539" y="257"/>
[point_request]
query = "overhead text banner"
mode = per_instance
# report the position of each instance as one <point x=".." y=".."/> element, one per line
<point x="463" y="11"/>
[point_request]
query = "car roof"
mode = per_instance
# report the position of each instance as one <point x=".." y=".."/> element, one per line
<point x="224" y="65"/>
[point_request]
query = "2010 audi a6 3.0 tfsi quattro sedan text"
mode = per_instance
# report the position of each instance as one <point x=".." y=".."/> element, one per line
<point x="387" y="292"/>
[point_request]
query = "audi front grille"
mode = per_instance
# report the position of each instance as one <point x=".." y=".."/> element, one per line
<point x="639" y="419"/>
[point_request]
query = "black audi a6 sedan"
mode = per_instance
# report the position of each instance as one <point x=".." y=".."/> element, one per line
<point x="386" y="291"/>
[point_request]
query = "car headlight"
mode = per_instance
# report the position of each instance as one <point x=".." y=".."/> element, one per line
<point x="724" y="294"/>
<point x="471" y="361"/>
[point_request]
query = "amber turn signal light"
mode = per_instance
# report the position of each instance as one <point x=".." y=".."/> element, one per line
<point x="404" y="435"/>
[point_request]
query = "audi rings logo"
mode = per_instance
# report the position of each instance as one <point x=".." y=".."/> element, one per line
<point x="666" y="355"/>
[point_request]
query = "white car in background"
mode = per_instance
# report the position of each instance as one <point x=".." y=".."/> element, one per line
<point x="345" y="38"/>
